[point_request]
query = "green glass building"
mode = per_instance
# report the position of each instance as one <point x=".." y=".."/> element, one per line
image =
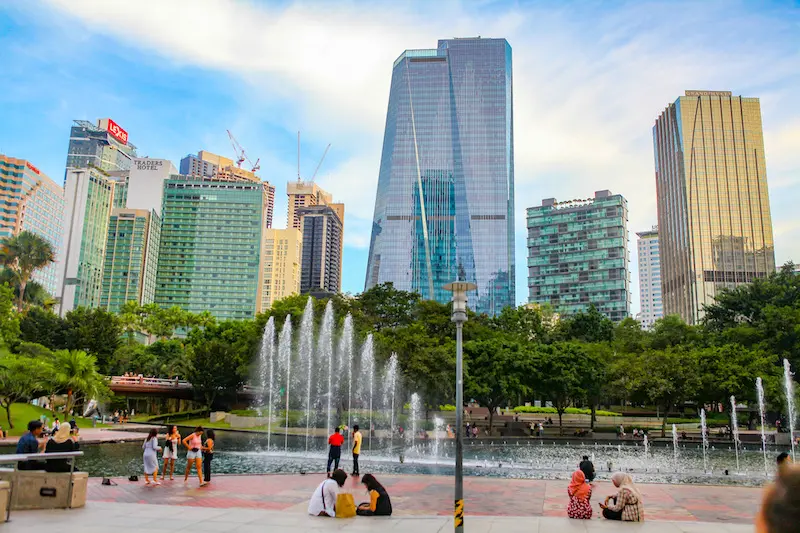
<point x="210" y="249"/>
<point x="578" y="255"/>
<point x="131" y="258"/>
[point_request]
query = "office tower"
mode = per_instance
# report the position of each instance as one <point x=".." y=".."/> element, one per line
<point x="210" y="253"/>
<point x="651" y="306"/>
<point x="131" y="258"/>
<point x="578" y="255"/>
<point x="209" y="165"/>
<point x="715" y="229"/>
<point x="88" y="200"/>
<point x="321" y="265"/>
<point x="104" y="146"/>
<point x="444" y="208"/>
<point x="31" y="201"/>
<point x="282" y="256"/>
<point x="146" y="183"/>
<point x="303" y="194"/>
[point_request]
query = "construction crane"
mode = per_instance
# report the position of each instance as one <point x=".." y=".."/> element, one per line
<point x="241" y="155"/>
<point x="321" y="159"/>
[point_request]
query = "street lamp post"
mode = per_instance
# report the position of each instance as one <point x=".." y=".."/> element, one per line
<point x="459" y="290"/>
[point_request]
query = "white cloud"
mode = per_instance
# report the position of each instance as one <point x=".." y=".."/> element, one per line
<point x="588" y="84"/>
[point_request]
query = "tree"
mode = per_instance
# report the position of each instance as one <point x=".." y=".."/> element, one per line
<point x="43" y="327"/>
<point x="498" y="370"/>
<point x="34" y="295"/>
<point x="217" y="370"/>
<point x="562" y="367"/>
<point x="135" y="358"/>
<point x="24" y="254"/>
<point x="9" y="320"/>
<point x="21" y="378"/>
<point x="95" y="331"/>
<point x="673" y="331"/>
<point x="386" y="307"/>
<point x="589" y="326"/>
<point x="75" y="373"/>
<point x="171" y="357"/>
<point x="524" y="322"/>
<point x="629" y="337"/>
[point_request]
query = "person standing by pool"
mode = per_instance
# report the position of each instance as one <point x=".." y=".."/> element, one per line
<point x="150" y="457"/>
<point x="208" y="455"/>
<point x="335" y="451"/>
<point x="356" y="449"/>
<point x="171" y="452"/>
<point x="194" y="442"/>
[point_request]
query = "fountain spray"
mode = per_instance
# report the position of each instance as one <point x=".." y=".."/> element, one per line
<point x="675" y="445"/>
<point x="760" y="391"/>
<point x="788" y="385"/>
<point x="285" y="354"/>
<point x="266" y="356"/>
<point x="704" y="435"/>
<point x="306" y="342"/>
<point x="735" y="429"/>
<point x="325" y="349"/>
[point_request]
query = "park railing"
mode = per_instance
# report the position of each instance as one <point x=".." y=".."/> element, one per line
<point x="17" y="458"/>
<point x="150" y="382"/>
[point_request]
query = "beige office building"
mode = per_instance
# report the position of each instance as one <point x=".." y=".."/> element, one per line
<point x="715" y="229"/>
<point x="305" y="194"/>
<point x="282" y="250"/>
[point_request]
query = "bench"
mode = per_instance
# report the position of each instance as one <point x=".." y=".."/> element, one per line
<point x="37" y="489"/>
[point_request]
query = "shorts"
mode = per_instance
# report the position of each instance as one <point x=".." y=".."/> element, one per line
<point x="190" y="455"/>
<point x="169" y="454"/>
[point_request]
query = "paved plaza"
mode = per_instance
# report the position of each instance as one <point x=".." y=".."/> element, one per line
<point x="414" y="495"/>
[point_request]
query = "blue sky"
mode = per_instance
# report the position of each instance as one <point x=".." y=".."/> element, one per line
<point x="590" y="78"/>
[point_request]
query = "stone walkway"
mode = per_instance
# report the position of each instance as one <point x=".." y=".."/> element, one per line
<point x="433" y="495"/>
<point x="136" y="518"/>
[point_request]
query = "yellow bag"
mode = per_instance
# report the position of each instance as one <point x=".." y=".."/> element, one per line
<point x="345" y="505"/>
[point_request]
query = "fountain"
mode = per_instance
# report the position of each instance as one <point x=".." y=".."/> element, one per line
<point x="389" y="390"/>
<point x="760" y="391"/>
<point x="675" y="445"/>
<point x="346" y="365"/>
<point x="735" y="430"/>
<point x="306" y="352"/>
<point x="646" y="444"/>
<point x="325" y="355"/>
<point x="367" y="381"/>
<point x="266" y="355"/>
<point x="704" y="435"/>
<point x="416" y="407"/>
<point x="788" y="386"/>
<point x="285" y="357"/>
<point x="438" y="427"/>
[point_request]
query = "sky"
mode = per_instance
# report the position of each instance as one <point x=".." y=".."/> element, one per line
<point x="590" y="78"/>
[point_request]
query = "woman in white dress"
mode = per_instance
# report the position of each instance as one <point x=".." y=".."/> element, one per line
<point x="150" y="457"/>
<point x="171" y="452"/>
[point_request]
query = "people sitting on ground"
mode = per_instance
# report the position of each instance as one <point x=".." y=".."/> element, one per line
<point x="780" y="508"/>
<point x="62" y="441"/>
<point x="29" y="443"/>
<point x="580" y="492"/>
<point x="474" y="432"/>
<point x="683" y="435"/>
<point x="635" y="433"/>
<point x="587" y="467"/>
<point x="323" y="499"/>
<point x="379" y="503"/>
<point x="627" y="504"/>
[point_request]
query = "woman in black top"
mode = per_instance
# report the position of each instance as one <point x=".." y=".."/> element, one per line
<point x="61" y="442"/>
<point x="379" y="503"/>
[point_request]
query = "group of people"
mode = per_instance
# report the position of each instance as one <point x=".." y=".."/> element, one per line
<point x="325" y="497"/>
<point x="335" y="442"/>
<point x="63" y="439"/>
<point x="626" y="505"/>
<point x="199" y="454"/>
<point x="471" y="431"/>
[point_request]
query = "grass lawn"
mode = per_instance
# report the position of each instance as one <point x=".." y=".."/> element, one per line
<point x="22" y="413"/>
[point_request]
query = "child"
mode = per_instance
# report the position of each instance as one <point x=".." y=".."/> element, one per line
<point x="208" y="454"/>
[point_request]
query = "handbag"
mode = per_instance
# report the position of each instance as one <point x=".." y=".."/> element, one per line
<point x="345" y="505"/>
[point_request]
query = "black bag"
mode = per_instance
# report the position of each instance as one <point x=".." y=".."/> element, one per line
<point x="133" y="478"/>
<point x="108" y="482"/>
<point x="195" y="450"/>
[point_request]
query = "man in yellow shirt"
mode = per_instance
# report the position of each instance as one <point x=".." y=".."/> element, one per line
<point x="356" y="449"/>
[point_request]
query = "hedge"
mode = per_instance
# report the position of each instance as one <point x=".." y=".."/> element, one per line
<point x="569" y="411"/>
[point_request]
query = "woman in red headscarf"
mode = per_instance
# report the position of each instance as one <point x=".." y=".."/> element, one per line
<point x="580" y="493"/>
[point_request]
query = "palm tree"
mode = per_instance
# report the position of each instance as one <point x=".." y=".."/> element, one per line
<point x="24" y="254"/>
<point x="35" y="294"/>
<point x="75" y="372"/>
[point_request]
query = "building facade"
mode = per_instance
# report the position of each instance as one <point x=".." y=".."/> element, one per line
<point x="104" y="145"/>
<point x="649" y="261"/>
<point x="578" y="255"/>
<point x="210" y="252"/>
<point x="304" y="194"/>
<point x="715" y="227"/>
<point x="31" y="201"/>
<point x="88" y="200"/>
<point x="321" y="261"/>
<point x="146" y="179"/>
<point x="131" y="259"/>
<point x="282" y="257"/>
<point x="444" y="207"/>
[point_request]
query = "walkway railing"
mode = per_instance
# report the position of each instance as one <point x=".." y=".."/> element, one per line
<point x="150" y="382"/>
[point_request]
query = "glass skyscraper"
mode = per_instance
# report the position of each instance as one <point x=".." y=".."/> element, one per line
<point x="714" y="224"/>
<point x="444" y="208"/>
<point x="104" y="145"/>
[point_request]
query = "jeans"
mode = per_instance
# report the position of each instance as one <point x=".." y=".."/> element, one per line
<point x="207" y="458"/>
<point x="355" y="463"/>
<point x="333" y="459"/>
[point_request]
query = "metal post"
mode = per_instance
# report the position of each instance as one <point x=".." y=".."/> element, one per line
<point x="459" y="495"/>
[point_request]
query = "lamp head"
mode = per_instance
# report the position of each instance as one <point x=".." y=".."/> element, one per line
<point x="459" y="290"/>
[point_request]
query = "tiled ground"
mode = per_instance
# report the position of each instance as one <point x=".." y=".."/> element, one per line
<point x="433" y="495"/>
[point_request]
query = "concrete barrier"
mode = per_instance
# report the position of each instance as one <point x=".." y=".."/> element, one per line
<point x="5" y="493"/>
<point x="245" y="422"/>
<point x="218" y="416"/>
<point x="37" y="489"/>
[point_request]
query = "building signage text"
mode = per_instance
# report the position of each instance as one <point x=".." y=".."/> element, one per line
<point x="117" y="132"/>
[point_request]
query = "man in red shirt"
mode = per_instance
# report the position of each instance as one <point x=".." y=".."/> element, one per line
<point x="335" y="453"/>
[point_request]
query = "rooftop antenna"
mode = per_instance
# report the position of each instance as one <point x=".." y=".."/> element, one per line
<point x="298" y="157"/>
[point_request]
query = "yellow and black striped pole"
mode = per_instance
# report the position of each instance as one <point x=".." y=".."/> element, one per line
<point x="458" y="515"/>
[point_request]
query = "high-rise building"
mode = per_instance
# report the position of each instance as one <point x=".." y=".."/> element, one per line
<point x="304" y="194"/>
<point x="282" y="256"/>
<point x="31" y="201"/>
<point x="104" y="146"/>
<point x="88" y="200"/>
<point x="578" y="255"/>
<point x="145" y="189"/>
<point x="321" y="265"/>
<point x="444" y="208"/>
<point x="651" y="306"/>
<point x="210" y="256"/>
<point x="131" y="259"/>
<point x="715" y="229"/>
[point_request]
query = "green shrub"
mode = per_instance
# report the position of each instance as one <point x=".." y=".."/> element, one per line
<point x="183" y="415"/>
<point x="569" y="411"/>
<point x="447" y="407"/>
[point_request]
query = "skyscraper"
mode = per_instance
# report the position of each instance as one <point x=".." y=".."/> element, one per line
<point x="211" y="238"/>
<point x="715" y="229"/>
<point x="444" y="208"/>
<point x="321" y="265"/>
<point x="88" y="200"/>
<point x="303" y="194"/>
<point x="31" y="201"/>
<point x="282" y="257"/>
<point x="578" y="255"/>
<point x="651" y="304"/>
<point x="104" y="146"/>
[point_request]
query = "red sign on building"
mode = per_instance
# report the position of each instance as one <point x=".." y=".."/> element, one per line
<point x="33" y="168"/>
<point x="117" y="132"/>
